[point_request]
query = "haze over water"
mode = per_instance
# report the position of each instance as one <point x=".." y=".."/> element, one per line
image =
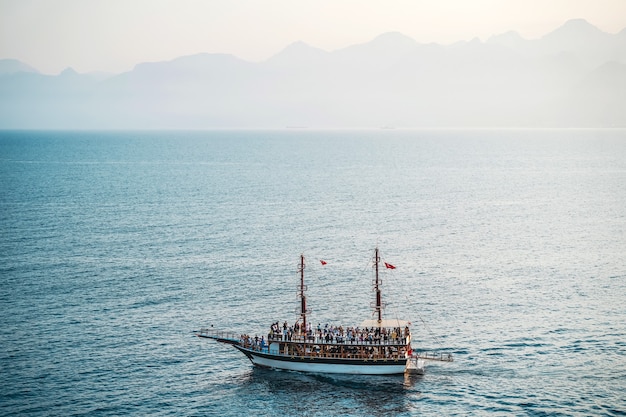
<point x="116" y="246"/>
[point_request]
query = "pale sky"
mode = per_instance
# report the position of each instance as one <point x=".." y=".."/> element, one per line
<point x="115" y="35"/>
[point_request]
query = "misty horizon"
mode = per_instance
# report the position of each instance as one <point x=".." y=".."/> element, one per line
<point x="11" y="64"/>
<point x="574" y="76"/>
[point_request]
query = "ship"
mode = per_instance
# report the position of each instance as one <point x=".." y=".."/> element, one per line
<point x="377" y="346"/>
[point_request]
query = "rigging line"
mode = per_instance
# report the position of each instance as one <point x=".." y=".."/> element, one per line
<point x="431" y="333"/>
<point x="437" y="341"/>
<point x="368" y="264"/>
<point x="394" y="312"/>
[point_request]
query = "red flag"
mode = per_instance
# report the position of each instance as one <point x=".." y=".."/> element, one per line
<point x="389" y="266"/>
<point x="323" y="262"/>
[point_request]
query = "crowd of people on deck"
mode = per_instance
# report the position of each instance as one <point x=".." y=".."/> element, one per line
<point x="337" y="334"/>
<point x="254" y="343"/>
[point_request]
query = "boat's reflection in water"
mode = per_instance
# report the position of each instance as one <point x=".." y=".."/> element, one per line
<point x="371" y="394"/>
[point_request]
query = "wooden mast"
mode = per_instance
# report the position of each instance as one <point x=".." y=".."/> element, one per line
<point x="378" y="307"/>
<point x="301" y="294"/>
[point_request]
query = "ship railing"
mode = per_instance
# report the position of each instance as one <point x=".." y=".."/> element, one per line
<point x="433" y="356"/>
<point x="313" y="353"/>
<point x="220" y="335"/>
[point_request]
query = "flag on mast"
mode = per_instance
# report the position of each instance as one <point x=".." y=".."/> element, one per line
<point x="323" y="262"/>
<point x="389" y="266"/>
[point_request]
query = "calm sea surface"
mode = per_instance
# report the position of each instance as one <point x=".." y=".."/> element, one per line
<point x="510" y="247"/>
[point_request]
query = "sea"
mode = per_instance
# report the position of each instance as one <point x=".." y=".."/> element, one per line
<point x="116" y="247"/>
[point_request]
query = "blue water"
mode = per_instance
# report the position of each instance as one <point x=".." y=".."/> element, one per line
<point x="510" y="247"/>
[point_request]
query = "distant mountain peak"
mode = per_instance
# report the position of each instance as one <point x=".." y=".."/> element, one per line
<point x="388" y="43"/>
<point x="297" y="53"/>
<point x="575" y="29"/>
<point x="12" y="66"/>
<point x="196" y="63"/>
<point x="393" y="39"/>
<point x="578" y="23"/>
<point x="507" y="38"/>
<point x="68" y="72"/>
<point x="299" y="44"/>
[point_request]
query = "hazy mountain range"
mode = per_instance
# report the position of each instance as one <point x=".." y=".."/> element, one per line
<point x="574" y="76"/>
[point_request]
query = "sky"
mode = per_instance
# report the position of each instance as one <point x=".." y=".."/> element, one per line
<point x="115" y="35"/>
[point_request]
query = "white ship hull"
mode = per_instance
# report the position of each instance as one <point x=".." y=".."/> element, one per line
<point x="326" y="365"/>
